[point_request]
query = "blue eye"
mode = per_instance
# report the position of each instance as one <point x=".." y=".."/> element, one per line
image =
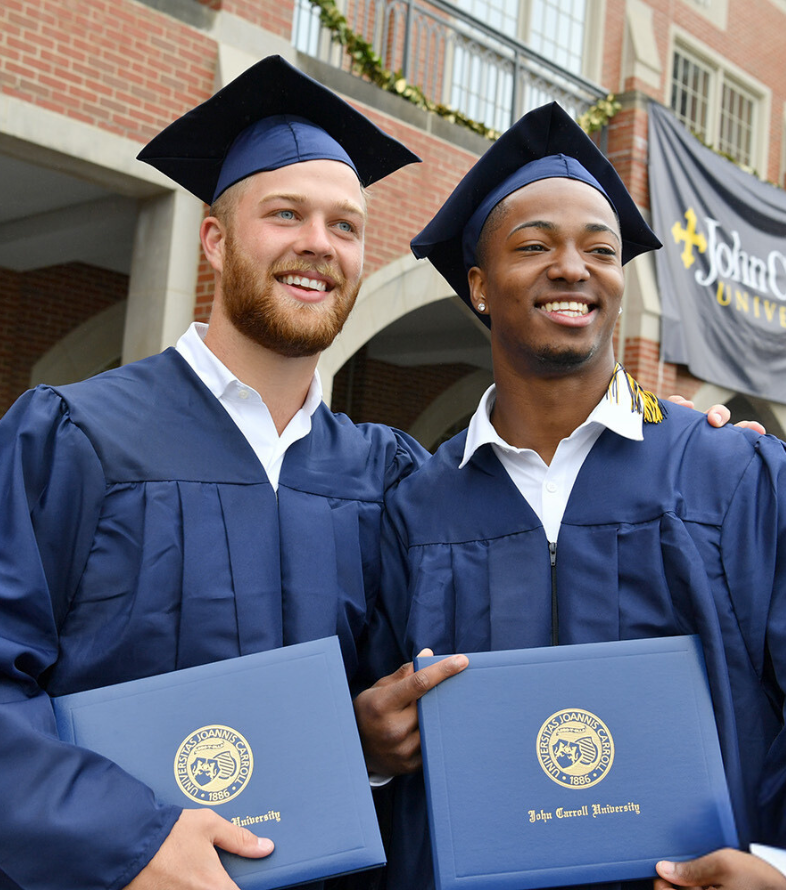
<point x="286" y="214"/>
<point x="346" y="227"/>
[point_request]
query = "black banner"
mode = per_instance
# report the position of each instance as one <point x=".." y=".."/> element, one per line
<point x="722" y="269"/>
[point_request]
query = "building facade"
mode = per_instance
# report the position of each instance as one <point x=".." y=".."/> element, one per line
<point x="99" y="255"/>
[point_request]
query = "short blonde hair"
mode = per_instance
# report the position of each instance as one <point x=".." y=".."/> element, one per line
<point x="224" y="205"/>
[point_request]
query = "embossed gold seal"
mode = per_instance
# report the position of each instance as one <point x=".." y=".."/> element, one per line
<point x="213" y="764"/>
<point x="575" y="748"/>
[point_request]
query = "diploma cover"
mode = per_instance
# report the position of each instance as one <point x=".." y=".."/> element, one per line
<point x="572" y="764"/>
<point x="269" y="741"/>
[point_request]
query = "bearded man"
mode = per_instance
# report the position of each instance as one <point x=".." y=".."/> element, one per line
<point x="200" y="504"/>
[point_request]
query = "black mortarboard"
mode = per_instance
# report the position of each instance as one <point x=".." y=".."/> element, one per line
<point x="270" y="116"/>
<point x="545" y="143"/>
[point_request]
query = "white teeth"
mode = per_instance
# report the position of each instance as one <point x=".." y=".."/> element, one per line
<point x="300" y="281"/>
<point x="571" y="307"/>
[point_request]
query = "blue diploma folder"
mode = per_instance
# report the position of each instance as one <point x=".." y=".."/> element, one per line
<point x="267" y="740"/>
<point x="572" y="764"/>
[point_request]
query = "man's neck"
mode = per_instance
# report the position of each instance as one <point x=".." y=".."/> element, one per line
<point x="282" y="382"/>
<point x="538" y="412"/>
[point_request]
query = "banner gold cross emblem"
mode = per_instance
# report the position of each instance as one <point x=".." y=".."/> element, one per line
<point x="690" y="237"/>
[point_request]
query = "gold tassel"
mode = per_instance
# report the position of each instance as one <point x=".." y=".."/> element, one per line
<point x="642" y="401"/>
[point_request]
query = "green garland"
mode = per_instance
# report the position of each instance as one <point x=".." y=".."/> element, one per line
<point x="368" y="63"/>
<point x="598" y="115"/>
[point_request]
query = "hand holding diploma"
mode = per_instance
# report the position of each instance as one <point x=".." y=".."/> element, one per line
<point x="725" y="869"/>
<point x="387" y="715"/>
<point x="187" y="860"/>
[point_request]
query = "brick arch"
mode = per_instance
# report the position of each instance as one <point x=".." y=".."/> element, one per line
<point x="388" y="294"/>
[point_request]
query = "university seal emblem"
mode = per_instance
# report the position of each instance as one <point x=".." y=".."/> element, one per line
<point x="213" y="765"/>
<point x="575" y="748"/>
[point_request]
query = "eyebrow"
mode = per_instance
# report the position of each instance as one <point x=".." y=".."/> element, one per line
<point x="349" y="207"/>
<point x="547" y="226"/>
<point x="601" y="227"/>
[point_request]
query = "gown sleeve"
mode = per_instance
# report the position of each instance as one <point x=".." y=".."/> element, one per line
<point x="70" y="820"/>
<point x="753" y="545"/>
<point x="408" y="455"/>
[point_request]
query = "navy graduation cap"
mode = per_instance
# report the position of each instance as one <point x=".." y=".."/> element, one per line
<point x="270" y="116"/>
<point x="545" y="143"/>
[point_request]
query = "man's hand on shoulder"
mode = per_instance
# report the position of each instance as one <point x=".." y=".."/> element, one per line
<point x="387" y="715"/>
<point x="722" y="870"/>
<point x="187" y="860"/>
<point x="719" y="415"/>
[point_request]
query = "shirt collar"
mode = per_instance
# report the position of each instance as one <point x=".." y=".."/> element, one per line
<point x="614" y="412"/>
<point x="218" y="378"/>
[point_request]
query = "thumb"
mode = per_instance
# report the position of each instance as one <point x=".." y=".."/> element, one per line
<point x="687" y="874"/>
<point x="235" y="839"/>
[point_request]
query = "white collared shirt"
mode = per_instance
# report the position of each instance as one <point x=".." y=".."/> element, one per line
<point x="547" y="487"/>
<point x="245" y="406"/>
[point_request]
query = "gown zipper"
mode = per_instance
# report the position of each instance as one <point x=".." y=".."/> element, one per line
<point x="554" y="606"/>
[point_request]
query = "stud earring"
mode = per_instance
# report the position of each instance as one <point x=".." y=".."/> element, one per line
<point x="481" y="307"/>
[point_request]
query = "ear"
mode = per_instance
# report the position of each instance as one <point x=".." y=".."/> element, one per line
<point x="477" y="290"/>
<point x="212" y="234"/>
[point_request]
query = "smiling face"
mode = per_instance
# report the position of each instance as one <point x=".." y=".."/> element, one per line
<point x="551" y="278"/>
<point x="292" y="255"/>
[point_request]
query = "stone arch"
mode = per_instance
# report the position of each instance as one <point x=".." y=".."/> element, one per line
<point x="390" y="293"/>
<point x="450" y="407"/>
<point x="87" y="350"/>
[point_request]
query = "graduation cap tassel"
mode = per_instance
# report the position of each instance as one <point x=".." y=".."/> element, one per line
<point x="644" y="402"/>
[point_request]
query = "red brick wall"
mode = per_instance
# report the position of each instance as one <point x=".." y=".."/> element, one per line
<point x="272" y="15"/>
<point x="204" y="290"/>
<point x="643" y="362"/>
<point x="627" y="150"/>
<point x="120" y="66"/>
<point x="39" y="308"/>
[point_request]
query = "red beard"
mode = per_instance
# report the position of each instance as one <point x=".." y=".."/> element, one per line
<point x="283" y="326"/>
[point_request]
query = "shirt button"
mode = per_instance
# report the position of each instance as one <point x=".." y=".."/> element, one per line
<point x="551" y="487"/>
<point x="243" y="394"/>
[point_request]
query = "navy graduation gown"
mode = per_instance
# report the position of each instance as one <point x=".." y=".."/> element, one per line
<point x="683" y="533"/>
<point x="141" y="535"/>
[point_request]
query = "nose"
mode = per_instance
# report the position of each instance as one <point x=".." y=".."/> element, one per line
<point x="568" y="264"/>
<point x="314" y="239"/>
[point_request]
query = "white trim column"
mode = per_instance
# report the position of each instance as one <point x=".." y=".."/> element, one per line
<point x="162" y="286"/>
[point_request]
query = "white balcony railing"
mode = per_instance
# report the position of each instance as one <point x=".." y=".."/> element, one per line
<point x="455" y="58"/>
